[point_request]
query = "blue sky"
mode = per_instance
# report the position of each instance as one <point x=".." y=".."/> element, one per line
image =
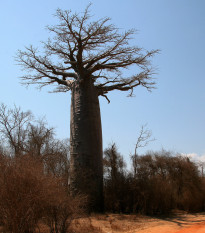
<point x="175" y="111"/>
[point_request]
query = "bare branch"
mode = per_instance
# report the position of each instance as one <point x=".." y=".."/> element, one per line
<point x="13" y="127"/>
<point x="87" y="50"/>
<point x="144" y="138"/>
<point x="106" y="98"/>
<point x="128" y="84"/>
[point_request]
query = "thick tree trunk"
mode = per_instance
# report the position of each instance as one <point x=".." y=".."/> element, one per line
<point x="86" y="168"/>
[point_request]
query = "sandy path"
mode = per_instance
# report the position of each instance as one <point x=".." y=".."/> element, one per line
<point x="197" y="228"/>
<point x="180" y="224"/>
<point x="115" y="223"/>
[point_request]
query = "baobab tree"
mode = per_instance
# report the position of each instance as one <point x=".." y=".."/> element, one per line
<point x="87" y="58"/>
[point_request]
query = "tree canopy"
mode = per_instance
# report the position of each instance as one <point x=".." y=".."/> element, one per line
<point x="81" y="49"/>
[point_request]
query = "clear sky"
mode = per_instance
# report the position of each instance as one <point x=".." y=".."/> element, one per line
<point x="174" y="112"/>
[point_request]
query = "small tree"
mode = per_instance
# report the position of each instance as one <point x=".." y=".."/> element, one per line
<point x="87" y="58"/>
<point x="114" y="179"/>
<point x="14" y="125"/>
<point x="56" y="159"/>
<point x="144" y="138"/>
<point x="38" y="138"/>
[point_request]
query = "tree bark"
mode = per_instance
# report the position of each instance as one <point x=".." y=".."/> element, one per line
<point x="86" y="167"/>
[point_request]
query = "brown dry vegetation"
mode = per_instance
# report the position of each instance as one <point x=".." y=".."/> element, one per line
<point x="29" y="195"/>
<point x="158" y="183"/>
<point x="34" y="189"/>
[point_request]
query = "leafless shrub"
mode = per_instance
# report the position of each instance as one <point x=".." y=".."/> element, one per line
<point x="28" y="195"/>
<point x="24" y="189"/>
<point x="61" y="209"/>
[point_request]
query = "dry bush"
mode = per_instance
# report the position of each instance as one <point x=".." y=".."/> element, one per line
<point x="160" y="182"/>
<point x="28" y="195"/>
<point x="165" y="182"/>
<point x="61" y="209"/>
<point x="23" y="192"/>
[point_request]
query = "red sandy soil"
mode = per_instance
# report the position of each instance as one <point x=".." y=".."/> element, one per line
<point x="196" y="228"/>
<point x="115" y="223"/>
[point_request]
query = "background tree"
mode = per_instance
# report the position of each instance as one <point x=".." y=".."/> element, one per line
<point x="23" y="135"/>
<point x="87" y="58"/>
<point x="144" y="138"/>
<point x="39" y="137"/>
<point x="56" y="159"/>
<point x="114" y="180"/>
<point x="14" y="125"/>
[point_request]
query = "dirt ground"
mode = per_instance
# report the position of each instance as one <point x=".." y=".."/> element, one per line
<point x="115" y="223"/>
